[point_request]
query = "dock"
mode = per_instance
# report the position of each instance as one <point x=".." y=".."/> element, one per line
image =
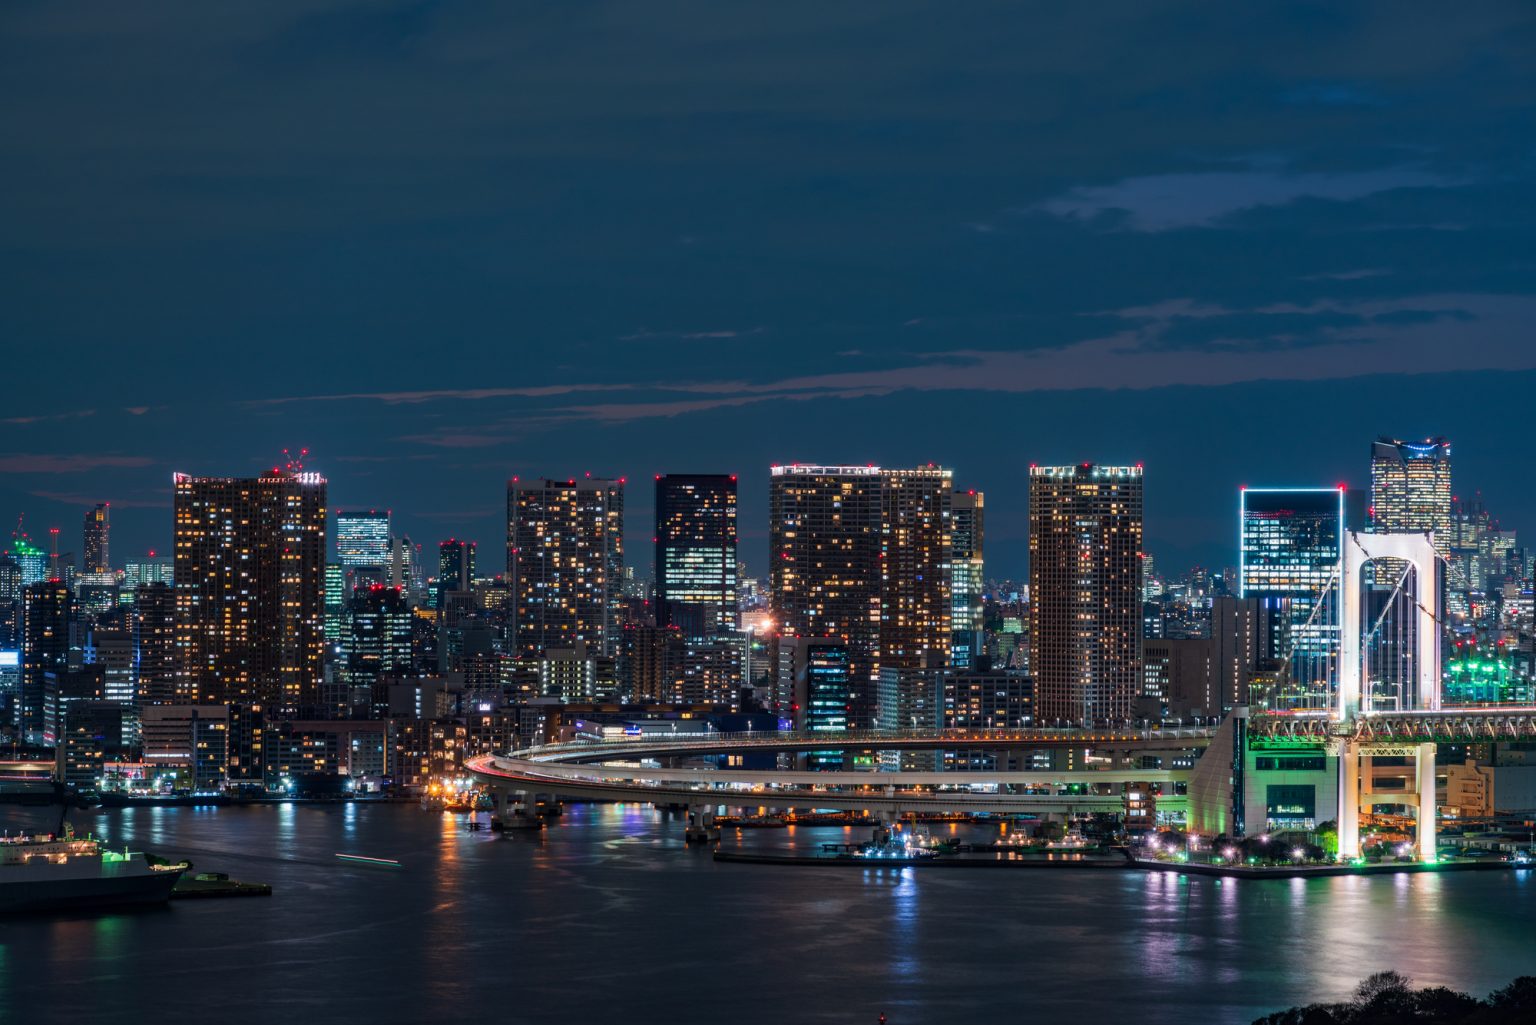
<point x="209" y="885"/>
<point x="942" y="861"/>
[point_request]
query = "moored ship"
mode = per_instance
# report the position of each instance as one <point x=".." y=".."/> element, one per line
<point x="72" y="874"/>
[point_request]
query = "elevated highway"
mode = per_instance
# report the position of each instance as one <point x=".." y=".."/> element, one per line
<point x="1155" y="738"/>
<point x="615" y="770"/>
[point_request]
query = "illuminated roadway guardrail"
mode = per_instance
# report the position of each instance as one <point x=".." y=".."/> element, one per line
<point x="1154" y="739"/>
<point x="1447" y="725"/>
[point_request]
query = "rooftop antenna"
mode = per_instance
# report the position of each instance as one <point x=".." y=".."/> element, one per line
<point x="294" y="463"/>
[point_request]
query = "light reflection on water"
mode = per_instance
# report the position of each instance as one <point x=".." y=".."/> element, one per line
<point x="606" y="915"/>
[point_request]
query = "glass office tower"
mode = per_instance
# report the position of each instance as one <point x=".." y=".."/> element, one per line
<point x="696" y="553"/>
<point x="1291" y="542"/>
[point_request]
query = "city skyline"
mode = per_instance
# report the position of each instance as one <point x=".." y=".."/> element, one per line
<point x="528" y="489"/>
<point x="1007" y="530"/>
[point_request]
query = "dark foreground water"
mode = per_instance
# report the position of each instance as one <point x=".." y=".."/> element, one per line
<point x="609" y="918"/>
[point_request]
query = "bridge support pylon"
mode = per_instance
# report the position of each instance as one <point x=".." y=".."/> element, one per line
<point x="511" y="811"/>
<point x="1355" y="756"/>
<point x="1427" y="840"/>
<point x="1349" y="799"/>
<point x="701" y="826"/>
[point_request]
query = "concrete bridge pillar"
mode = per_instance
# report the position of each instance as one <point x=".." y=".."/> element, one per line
<point x="1349" y="799"/>
<point x="701" y="826"/>
<point x="511" y="811"/>
<point x="1355" y="762"/>
<point x="1427" y="841"/>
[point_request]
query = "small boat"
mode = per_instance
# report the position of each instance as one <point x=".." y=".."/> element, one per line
<point x="362" y="859"/>
<point x="1073" y="841"/>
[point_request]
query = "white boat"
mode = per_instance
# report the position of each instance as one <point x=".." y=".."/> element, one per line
<point x="1073" y="841"/>
<point x="53" y="874"/>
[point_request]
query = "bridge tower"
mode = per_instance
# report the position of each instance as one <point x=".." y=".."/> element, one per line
<point x="1417" y="554"/>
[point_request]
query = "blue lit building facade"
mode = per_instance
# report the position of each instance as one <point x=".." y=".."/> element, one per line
<point x="696" y="553"/>
<point x="816" y="676"/>
<point x="1290" y="549"/>
<point x="967" y="569"/>
<point x="362" y="539"/>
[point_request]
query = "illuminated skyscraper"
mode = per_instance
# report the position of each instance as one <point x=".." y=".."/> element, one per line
<point x="815" y="681"/>
<point x="565" y="564"/>
<point x="1291" y="540"/>
<point x="696" y="553"/>
<point x="862" y="554"/>
<point x="151" y="570"/>
<point x="916" y="598"/>
<point x="46" y="610"/>
<point x="455" y="568"/>
<point x="378" y="639"/>
<point x="405" y="565"/>
<point x="250" y="588"/>
<point x="336" y="594"/>
<point x="10" y="603"/>
<point x="967" y="576"/>
<point x="1410" y="493"/>
<point x="362" y="539"/>
<point x="154" y="642"/>
<point x="1411" y="487"/>
<point x="824" y="572"/>
<point x="1085" y="530"/>
<point x="96" y="547"/>
<point x="32" y="560"/>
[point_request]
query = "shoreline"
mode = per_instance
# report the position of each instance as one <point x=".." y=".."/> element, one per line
<point x="1210" y="871"/>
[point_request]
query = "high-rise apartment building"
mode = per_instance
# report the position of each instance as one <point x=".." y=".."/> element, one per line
<point x="565" y="564"/>
<point x="96" y="545"/>
<point x="362" y="539"/>
<point x="967" y="578"/>
<point x="1411" y="487"/>
<point x="1410" y="493"/>
<point x="154" y="642"/>
<point x="916" y="596"/>
<point x="862" y="554"/>
<point x="824" y="572"/>
<point x="45" y="616"/>
<point x="250" y="588"/>
<point x="696" y="553"/>
<point x="1085" y="535"/>
<point x="10" y="604"/>
<point x="1237" y="643"/>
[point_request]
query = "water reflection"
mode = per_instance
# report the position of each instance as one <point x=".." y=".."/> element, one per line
<point x="607" y="916"/>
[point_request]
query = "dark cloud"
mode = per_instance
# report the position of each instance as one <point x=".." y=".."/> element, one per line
<point x="445" y="243"/>
<point x="22" y="463"/>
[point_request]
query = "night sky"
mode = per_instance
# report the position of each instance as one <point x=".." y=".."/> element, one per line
<point x="443" y="244"/>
